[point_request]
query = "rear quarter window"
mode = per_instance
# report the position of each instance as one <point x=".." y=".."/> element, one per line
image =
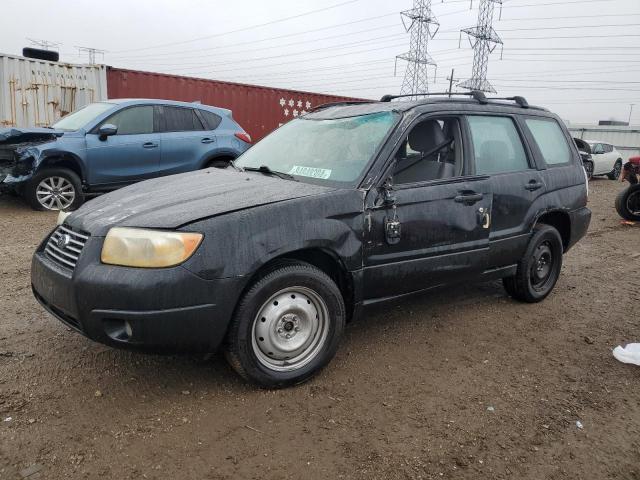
<point x="211" y="120"/>
<point x="551" y="141"/>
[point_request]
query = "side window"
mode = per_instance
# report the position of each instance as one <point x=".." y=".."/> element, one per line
<point x="607" y="148"/>
<point x="133" y="121"/>
<point x="211" y="119"/>
<point x="497" y="145"/>
<point x="179" y="119"/>
<point x="431" y="151"/>
<point x="550" y="140"/>
<point x="598" y="149"/>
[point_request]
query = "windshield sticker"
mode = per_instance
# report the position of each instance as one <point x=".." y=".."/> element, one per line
<point x="312" y="172"/>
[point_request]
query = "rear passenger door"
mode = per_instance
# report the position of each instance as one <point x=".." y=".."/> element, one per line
<point x="185" y="142"/>
<point x="501" y="153"/>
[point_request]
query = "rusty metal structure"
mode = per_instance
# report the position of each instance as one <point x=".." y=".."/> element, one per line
<point x="484" y="40"/>
<point x="36" y="93"/>
<point x="423" y="26"/>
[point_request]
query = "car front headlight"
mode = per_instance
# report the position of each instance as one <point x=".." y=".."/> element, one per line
<point x="138" y="247"/>
<point x="62" y="216"/>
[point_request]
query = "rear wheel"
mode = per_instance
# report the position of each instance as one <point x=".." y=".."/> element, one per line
<point x="286" y="327"/>
<point x="539" y="268"/>
<point x="615" y="173"/>
<point x="628" y="203"/>
<point x="54" y="189"/>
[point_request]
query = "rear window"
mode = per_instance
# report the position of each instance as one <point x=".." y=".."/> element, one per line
<point x="178" y="119"/>
<point x="211" y="119"/>
<point x="550" y="140"/>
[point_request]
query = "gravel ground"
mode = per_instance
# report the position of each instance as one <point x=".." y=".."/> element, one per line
<point x="459" y="383"/>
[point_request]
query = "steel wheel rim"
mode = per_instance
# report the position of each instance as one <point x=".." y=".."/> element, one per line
<point x="55" y="193"/>
<point x="290" y="329"/>
<point x="633" y="203"/>
<point x="543" y="266"/>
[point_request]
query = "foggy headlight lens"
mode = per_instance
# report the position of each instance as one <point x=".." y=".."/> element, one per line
<point x="137" y="247"/>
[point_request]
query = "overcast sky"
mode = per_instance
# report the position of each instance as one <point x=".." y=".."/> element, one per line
<point x="580" y="58"/>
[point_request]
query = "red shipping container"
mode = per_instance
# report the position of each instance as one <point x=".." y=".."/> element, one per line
<point x="259" y="110"/>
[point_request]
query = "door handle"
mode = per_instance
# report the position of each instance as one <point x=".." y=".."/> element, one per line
<point x="468" y="198"/>
<point x="207" y="140"/>
<point x="533" y="185"/>
<point x="149" y="145"/>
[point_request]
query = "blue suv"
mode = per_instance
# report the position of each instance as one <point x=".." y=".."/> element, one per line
<point x="110" y="144"/>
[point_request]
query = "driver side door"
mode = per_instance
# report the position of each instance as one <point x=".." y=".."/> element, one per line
<point x="433" y="228"/>
<point x="131" y="155"/>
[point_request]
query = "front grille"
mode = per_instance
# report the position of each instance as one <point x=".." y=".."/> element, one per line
<point x="65" y="246"/>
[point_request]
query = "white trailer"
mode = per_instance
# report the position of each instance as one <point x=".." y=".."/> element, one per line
<point x="36" y="93"/>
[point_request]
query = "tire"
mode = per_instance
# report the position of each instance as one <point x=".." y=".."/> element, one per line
<point x="69" y="197"/>
<point x="628" y="203"/>
<point x="539" y="268"/>
<point x="615" y="173"/>
<point x="218" y="163"/>
<point x="588" y="167"/>
<point x="284" y="303"/>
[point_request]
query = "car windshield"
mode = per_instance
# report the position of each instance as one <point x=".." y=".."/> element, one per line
<point x="327" y="152"/>
<point x="78" y="119"/>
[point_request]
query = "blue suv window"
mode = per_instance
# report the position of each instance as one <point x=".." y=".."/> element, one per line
<point x="178" y="119"/>
<point x="211" y="119"/>
<point x="133" y="121"/>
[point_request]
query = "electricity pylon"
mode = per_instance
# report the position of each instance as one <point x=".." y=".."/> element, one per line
<point x="423" y="26"/>
<point x="484" y="40"/>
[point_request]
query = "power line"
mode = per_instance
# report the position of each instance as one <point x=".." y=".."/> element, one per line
<point x="243" y="29"/>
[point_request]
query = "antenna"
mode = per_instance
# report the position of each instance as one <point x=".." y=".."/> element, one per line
<point x="423" y="26"/>
<point x="92" y="52"/>
<point x="44" y="44"/>
<point x="484" y="40"/>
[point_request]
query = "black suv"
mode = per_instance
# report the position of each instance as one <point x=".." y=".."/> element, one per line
<point x="341" y="209"/>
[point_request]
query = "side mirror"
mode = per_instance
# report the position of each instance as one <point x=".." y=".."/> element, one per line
<point x="107" y="130"/>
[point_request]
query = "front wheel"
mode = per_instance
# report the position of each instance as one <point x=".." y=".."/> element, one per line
<point x="54" y="189"/>
<point x="628" y="203"/>
<point x="286" y="327"/>
<point x="539" y="268"/>
<point x="615" y="173"/>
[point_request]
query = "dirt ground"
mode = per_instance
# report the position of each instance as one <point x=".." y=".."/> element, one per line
<point x="459" y="383"/>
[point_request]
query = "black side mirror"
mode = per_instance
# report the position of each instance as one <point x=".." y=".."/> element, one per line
<point x="107" y="130"/>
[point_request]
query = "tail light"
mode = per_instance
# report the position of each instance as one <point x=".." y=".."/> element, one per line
<point x="244" y="136"/>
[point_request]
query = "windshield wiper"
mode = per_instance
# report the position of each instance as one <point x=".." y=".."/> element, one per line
<point x="267" y="171"/>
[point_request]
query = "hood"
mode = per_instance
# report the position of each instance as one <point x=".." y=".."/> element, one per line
<point x="173" y="201"/>
<point x="22" y="135"/>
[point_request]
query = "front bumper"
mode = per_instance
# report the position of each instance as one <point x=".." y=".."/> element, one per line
<point x="580" y="220"/>
<point x="169" y="309"/>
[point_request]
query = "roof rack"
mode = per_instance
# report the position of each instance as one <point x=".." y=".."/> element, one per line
<point x="477" y="95"/>
<point x="388" y="98"/>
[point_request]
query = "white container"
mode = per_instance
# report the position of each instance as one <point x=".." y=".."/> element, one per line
<point x="36" y="93"/>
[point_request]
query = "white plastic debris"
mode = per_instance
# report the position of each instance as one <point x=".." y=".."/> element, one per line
<point x="8" y="419"/>
<point x="628" y="354"/>
<point x="491" y="409"/>
<point x="579" y="424"/>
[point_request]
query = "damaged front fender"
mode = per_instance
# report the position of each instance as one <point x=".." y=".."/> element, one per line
<point x="21" y="153"/>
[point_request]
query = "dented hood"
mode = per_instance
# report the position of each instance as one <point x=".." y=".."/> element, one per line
<point x="21" y="135"/>
<point x="173" y="201"/>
